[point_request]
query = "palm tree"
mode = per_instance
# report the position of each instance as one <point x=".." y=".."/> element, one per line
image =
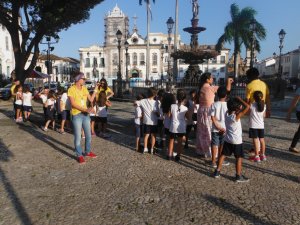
<point x="238" y="31"/>
<point x="148" y="31"/>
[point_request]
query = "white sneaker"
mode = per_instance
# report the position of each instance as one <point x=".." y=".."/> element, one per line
<point x="44" y="129"/>
<point x="145" y="150"/>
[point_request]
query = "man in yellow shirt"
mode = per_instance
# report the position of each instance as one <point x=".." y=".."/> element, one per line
<point x="79" y="95"/>
<point x="257" y="85"/>
<point x="13" y="93"/>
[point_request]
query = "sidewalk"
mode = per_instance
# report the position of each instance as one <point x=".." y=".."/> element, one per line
<point x="41" y="182"/>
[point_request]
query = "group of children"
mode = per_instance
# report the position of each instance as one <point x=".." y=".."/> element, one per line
<point x="179" y="115"/>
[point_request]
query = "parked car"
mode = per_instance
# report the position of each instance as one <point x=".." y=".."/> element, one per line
<point x="89" y="84"/>
<point x="5" y="92"/>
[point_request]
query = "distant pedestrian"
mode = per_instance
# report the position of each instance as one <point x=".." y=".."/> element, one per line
<point x="294" y="105"/>
<point x="79" y="95"/>
<point x="43" y="95"/>
<point x="65" y="107"/>
<point x="233" y="142"/>
<point x="19" y="103"/>
<point x="150" y="114"/>
<point x="178" y="115"/>
<point x="51" y="111"/>
<point x="27" y="103"/>
<point x="257" y="127"/>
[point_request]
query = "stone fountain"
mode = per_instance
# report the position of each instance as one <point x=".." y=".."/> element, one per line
<point x="194" y="54"/>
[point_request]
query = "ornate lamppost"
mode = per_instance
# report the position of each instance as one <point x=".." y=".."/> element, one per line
<point x="119" y="75"/>
<point x="170" y="24"/>
<point x="253" y="30"/>
<point x="162" y="51"/>
<point x="281" y="34"/>
<point x="48" y="63"/>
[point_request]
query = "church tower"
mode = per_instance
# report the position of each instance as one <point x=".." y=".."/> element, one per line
<point x="115" y="20"/>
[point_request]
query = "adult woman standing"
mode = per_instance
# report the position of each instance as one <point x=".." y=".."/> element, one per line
<point x="79" y="95"/>
<point x="103" y="87"/>
<point x="206" y="98"/>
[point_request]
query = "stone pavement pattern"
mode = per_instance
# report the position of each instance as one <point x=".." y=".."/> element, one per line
<point x="41" y="183"/>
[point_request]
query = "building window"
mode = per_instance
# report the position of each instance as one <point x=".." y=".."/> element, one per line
<point x="222" y="59"/>
<point x="6" y="44"/>
<point x="87" y="63"/>
<point x="115" y="59"/>
<point x="142" y="59"/>
<point x="134" y="59"/>
<point x="128" y="59"/>
<point x="102" y="63"/>
<point x="7" y="71"/>
<point x="88" y="75"/>
<point x="115" y="27"/>
<point x="154" y="59"/>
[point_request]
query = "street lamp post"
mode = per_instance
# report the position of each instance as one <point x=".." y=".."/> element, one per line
<point x="170" y="24"/>
<point x="126" y="44"/>
<point x="281" y="34"/>
<point x="162" y="50"/>
<point x="252" y="29"/>
<point x="49" y="50"/>
<point x="119" y="75"/>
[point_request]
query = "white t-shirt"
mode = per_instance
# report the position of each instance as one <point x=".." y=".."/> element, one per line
<point x="256" y="119"/>
<point x="27" y="97"/>
<point x="218" y="110"/>
<point x="150" y="110"/>
<point x="66" y="101"/>
<point x="94" y="113"/>
<point x="178" y="124"/>
<point x="51" y="103"/>
<point x="44" y="98"/>
<point x="233" y="134"/>
<point x="102" y="111"/>
<point x="137" y="115"/>
<point x="18" y="98"/>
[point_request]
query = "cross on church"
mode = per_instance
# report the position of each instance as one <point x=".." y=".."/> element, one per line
<point x="134" y="23"/>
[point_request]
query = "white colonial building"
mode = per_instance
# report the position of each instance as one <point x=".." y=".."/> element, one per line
<point x="7" y="59"/>
<point x="102" y="61"/>
<point x="290" y="63"/>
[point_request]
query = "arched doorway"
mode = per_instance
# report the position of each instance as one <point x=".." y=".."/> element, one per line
<point x="135" y="73"/>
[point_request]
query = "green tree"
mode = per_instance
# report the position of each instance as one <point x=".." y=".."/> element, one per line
<point x="238" y="31"/>
<point x="148" y="31"/>
<point x="29" y="21"/>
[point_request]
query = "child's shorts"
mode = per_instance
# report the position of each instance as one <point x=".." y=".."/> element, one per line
<point x="18" y="106"/>
<point x="138" y="130"/>
<point x="93" y="118"/>
<point x="173" y="135"/>
<point x="65" y="115"/>
<point x="27" y="108"/>
<point x="237" y="150"/>
<point x="101" y="119"/>
<point x="160" y="123"/>
<point x="256" y="133"/>
<point x="150" y="129"/>
<point x="217" y="139"/>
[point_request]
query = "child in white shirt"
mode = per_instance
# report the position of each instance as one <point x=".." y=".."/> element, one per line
<point x="27" y="105"/>
<point x="138" y="121"/>
<point x="51" y="111"/>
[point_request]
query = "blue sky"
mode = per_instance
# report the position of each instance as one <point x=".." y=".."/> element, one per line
<point x="213" y="14"/>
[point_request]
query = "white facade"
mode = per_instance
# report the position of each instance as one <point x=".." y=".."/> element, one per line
<point x="103" y="61"/>
<point x="7" y="59"/>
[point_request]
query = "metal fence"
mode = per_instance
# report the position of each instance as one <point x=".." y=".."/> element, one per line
<point x="131" y="89"/>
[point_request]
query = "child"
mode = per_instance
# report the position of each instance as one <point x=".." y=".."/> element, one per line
<point x="193" y="106"/>
<point x="93" y="116"/>
<point x="138" y="121"/>
<point x="150" y="113"/>
<point x="167" y="100"/>
<point x="50" y="111"/>
<point x="44" y="97"/>
<point x="160" y="119"/>
<point x="218" y="111"/>
<point x="256" y="126"/>
<point x="103" y="103"/>
<point x="178" y="114"/>
<point x="27" y="105"/>
<point x="233" y="142"/>
<point x="19" y="103"/>
<point x="65" y="107"/>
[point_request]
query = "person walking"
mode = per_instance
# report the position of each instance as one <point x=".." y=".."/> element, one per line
<point x="294" y="105"/>
<point x="206" y="98"/>
<point x="27" y="103"/>
<point x="79" y="95"/>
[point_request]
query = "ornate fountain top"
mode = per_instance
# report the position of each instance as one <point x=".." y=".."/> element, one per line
<point x="195" y="9"/>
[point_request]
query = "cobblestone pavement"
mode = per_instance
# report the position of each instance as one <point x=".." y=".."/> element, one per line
<point x="41" y="183"/>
